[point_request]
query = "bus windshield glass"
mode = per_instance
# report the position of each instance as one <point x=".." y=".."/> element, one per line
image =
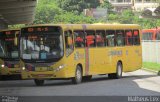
<point x="41" y="43"/>
<point x="9" y="50"/>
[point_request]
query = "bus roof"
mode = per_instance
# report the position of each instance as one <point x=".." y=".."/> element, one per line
<point x="91" y="26"/>
<point x="8" y="30"/>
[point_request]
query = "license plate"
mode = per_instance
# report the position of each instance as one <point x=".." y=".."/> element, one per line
<point x="41" y="69"/>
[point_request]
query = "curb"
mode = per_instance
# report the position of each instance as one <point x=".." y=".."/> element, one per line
<point x="157" y="72"/>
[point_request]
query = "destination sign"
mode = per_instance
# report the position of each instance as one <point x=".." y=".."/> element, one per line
<point x="41" y="29"/>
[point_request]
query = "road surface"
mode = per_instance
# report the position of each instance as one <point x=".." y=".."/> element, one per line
<point x="136" y="83"/>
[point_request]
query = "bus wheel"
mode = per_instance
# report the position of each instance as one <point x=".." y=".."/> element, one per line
<point x="78" y="76"/>
<point x="87" y="78"/>
<point x="39" y="82"/>
<point x="118" y="73"/>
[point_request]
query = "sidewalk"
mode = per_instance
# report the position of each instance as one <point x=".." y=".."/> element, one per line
<point x="153" y="71"/>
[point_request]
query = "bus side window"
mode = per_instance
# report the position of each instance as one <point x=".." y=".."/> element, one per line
<point x="128" y="37"/>
<point x="120" y="38"/>
<point x="100" y="38"/>
<point x="110" y="37"/>
<point x="79" y="39"/>
<point x="136" y="38"/>
<point x="90" y="39"/>
<point x="158" y="35"/>
<point x="68" y="42"/>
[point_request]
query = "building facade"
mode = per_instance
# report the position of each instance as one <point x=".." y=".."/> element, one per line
<point x="136" y="5"/>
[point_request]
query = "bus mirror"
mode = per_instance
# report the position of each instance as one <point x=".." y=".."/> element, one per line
<point x="69" y="40"/>
<point x="15" y="41"/>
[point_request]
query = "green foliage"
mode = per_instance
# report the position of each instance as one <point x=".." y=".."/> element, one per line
<point x="151" y="66"/>
<point x="17" y="26"/>
<point x="108" y="5"/>
<point x="69" y="17"/>
<point x="70" y="11"/>
<point x="130" y="17"/>
<point x="45" y="11"/>
<point x="77" y="6"/>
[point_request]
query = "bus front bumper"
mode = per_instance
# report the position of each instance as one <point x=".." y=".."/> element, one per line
<point x="43" y="75"/>
<point x="10" y="71"/>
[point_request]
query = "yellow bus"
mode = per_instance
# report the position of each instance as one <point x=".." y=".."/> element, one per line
<point x="79" y="51"/>
<point x="9" y="57"/>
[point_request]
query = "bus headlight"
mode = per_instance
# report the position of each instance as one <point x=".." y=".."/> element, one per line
<point x="23" y="68"/>
<point x="2" y="65"/>
<point x="59" y="68"/>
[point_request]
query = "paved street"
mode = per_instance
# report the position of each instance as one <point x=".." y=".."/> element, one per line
<point x="133" y="83"/>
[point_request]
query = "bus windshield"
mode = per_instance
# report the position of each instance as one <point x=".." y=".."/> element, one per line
<point x="9" y="50"/>
<point x="39" y="45"/>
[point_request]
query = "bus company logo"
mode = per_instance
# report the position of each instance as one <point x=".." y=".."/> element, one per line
<point x="115" y="53"/>
<point x="78" y="56"/>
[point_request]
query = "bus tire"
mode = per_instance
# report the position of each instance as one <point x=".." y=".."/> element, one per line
<point x="118" y="73"/>
<point x="87" y="78"/>
<point x="39" y="82"/>
<point x="78" y="76"/>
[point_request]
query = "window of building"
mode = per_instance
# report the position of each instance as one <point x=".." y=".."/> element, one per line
<point x="90" y="38"/>
<point x="120" y="38"/>
<point x="79" y="38"/>
<point x="138" y="1"/>
<point x="136" y="38"/>
<point x="119" y="1"/>
<point x="110" y="37"/>
<point x="68" y="42"/>
<point x="127" y="1"/>
<point x="112" y="1"/>
<point x="100" y="35"/>
<point x="128" y="37"/>
<point x="147" y="1"/>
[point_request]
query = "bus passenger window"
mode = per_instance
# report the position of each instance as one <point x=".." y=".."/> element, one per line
<point x="120" y="38"/>
<point x="100" y="41"/>
<point x="68" y="42"/>
<point x="90" y="38"/>
<point x="110" y="37"/>
<point x="79" y="39"/>
<point x="136" y="39"/>
<point x="128" y="37"/>
<point x="158" y="35"/>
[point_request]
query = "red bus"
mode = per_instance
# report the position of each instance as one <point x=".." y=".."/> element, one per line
<point x="151" y="34"/>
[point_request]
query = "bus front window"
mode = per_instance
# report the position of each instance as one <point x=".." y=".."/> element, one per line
<point x="41" y="46"/>
<point x="8" y="47"/>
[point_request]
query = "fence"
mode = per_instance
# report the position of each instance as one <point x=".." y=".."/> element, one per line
<point x="151" y="51"/>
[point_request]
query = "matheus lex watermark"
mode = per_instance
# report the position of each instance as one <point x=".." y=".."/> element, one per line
<point x="143" y="99"/>
<point x="9" y="99"/>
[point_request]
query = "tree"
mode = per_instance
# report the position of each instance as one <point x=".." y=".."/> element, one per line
<point x="72" y="18"/>
<point x="45" y="11"/>
<point x="108" y="5"/>
<point x="77" y="6"/>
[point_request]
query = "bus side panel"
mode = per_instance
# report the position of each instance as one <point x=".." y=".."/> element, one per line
<point x="103" y="60"/>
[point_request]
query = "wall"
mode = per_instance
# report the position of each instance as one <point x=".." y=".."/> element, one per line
<point x="151" y="51"/>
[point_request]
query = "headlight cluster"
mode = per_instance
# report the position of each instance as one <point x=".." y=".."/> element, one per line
<point x="2" y="65"/>
<point x="59" y="68"/>
<point x="23" y="68"/>
<point x="51" y="69"/>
